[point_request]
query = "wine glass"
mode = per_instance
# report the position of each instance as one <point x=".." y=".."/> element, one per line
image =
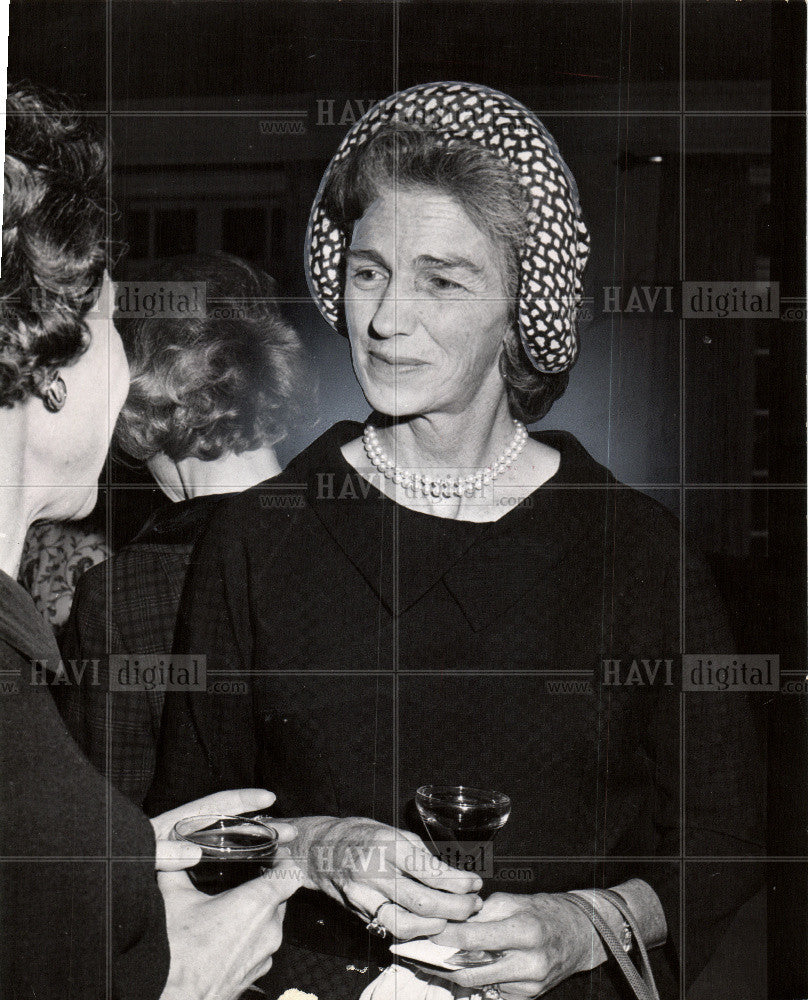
<point x="235" y="849"/>
<point x="460" y="814"/>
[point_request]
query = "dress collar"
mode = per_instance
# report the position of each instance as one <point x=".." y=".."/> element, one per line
<point x="487" y="567"/>
<point x="21" y="625"/>
<point x="179" y="523"/>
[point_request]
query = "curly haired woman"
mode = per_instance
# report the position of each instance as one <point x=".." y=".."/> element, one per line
<point x="211" y="396"/>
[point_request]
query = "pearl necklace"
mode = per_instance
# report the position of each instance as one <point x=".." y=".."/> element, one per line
<point x="448" y="486"/>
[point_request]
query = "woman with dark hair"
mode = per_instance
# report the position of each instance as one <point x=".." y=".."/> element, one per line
<point x="398" y="627"/>
<point x="210" y="397"/>
<point x="82" y="912"/>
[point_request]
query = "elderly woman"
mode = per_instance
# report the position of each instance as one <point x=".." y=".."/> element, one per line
<point x="83" y="915"/>
<point x="400" y="625"/>
<point x="210" y="397"/>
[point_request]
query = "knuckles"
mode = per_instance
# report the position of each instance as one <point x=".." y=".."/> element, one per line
<point x="501" y="900"/>
<point x="468" y="978"/>
<point x="541" y="967"/>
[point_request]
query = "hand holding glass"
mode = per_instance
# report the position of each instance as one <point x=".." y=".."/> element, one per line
<point x="460" y="814"/>
<point x="234" y="850"/>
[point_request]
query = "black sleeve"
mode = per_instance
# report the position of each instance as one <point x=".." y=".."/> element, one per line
<point x="725" y="785"/>
<point x="56" y="893"/>
<point x="207" y="740"/>
<point x="712" y="797"/>
<point x="117" y="729"/>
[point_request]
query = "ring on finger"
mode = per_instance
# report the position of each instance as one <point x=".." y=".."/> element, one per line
<point x="491" y="993"/>
<point x="374" y="925"/>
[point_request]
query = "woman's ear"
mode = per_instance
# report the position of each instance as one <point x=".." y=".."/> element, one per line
<point x="510" y="337"/>
<point x="54" y="394"/>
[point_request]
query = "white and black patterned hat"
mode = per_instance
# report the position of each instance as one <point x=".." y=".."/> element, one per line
<point x="555" y="252"/>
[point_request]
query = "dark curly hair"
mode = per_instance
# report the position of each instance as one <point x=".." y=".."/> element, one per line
<point x="409" y="155"/>
<point x="201" y="386"/>
<point x="54" y="251"/>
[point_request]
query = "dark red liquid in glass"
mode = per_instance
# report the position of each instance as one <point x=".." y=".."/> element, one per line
<point x="215" y="873"/>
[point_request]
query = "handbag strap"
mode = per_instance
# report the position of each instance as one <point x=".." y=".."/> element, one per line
<point x="644" y="987"/>
<point x="625" y="910"/>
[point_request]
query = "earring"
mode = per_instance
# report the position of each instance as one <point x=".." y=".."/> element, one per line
<point x="55" y="395"/>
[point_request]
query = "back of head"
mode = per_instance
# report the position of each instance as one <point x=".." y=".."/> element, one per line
<point x="202" y="386"/>
<point x="53" y="239"/>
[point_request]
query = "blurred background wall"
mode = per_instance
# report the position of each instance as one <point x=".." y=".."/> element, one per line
<point x="227" y="153"/>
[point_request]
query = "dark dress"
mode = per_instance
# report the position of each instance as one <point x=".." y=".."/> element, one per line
<point x="66" y="903"/>
<point x="387" y="648"/>
<point x="128" y="604"/>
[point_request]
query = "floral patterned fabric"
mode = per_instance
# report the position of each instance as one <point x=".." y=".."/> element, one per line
<point x="55" y="555"/>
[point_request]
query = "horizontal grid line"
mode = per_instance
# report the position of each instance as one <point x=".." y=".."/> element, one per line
<point x="540" y="112"/>
<point x="447" y="672"/>
<point x="546" y="487"/>
<point x="504" y="859"/>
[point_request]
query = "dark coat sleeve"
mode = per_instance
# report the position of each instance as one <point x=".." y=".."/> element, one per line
<point x="123" y="606"/>
<point x="56" y="895"/>
<point x="207" y="740"/>
<point x="711" y="796"/>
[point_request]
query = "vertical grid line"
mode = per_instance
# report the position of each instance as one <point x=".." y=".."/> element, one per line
<point x="396" y="522"/>
<point x="607" y="602"/>
<point x="682" y="504"/>
<point x="108" y="482"/>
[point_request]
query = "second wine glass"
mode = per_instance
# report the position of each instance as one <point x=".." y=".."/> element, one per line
<point x="460" y="815"/>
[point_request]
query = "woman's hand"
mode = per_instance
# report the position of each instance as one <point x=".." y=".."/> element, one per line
<point x="174" y="855"/>
<point x="544" y="937"/>
<point x="363" y="864"/>
<point x="221" y="944"/>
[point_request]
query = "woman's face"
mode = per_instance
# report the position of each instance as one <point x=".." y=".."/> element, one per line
<point x="67" y="449"/>
<point x="425" y="303"/>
